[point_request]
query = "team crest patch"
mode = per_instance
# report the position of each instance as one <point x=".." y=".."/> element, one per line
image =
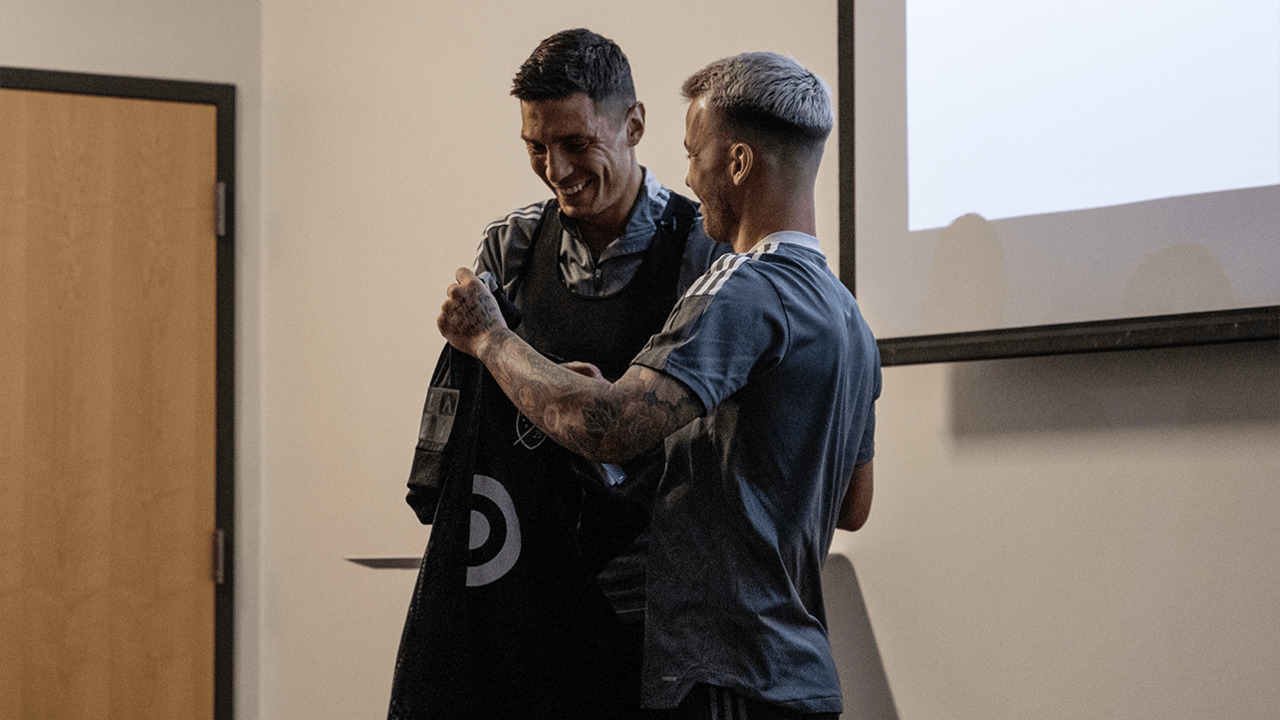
<point x="437" y="419"/>
<point x="526" y="434"/>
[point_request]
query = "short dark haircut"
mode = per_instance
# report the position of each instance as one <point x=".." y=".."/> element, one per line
<point x="577" y="61"/>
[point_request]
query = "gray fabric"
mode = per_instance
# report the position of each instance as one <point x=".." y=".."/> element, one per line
<point x="506" y="243"/>
<point x="777" y="350"/>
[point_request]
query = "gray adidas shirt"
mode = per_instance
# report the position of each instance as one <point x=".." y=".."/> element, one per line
<point x="777" y="351"/>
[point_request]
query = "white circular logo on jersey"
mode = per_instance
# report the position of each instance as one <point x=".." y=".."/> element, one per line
<point x="495" y="532"/>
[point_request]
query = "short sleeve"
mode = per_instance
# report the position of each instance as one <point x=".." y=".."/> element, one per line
<point x="728" y="327"/>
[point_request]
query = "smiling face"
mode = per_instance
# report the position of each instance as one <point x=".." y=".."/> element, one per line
<point x="586" y="157"/>
<point x="708" y="177"/>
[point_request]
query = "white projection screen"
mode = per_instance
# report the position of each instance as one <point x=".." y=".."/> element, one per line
<point x="1044" y="177"/>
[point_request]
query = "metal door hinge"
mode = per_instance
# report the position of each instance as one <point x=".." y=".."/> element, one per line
<point x="219" y="556"/>
<point x="220" y="209"/>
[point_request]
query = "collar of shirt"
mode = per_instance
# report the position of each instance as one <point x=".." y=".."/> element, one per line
<point x="621" y="259"/>
<point x="788" y="236"/>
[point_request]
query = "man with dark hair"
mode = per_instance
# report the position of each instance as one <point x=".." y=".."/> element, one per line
<point x="577" y="61"/>
<point x="581" y="122"/>
<point x="761" y="387"/>
<point x="593" y="271"/>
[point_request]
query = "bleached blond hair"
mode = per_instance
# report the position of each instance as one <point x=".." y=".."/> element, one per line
<point x="767" y="93"/>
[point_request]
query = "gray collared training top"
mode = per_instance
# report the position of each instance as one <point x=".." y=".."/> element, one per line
<point x="505" y="245"/>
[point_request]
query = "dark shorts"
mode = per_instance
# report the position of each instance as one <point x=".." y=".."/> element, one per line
<point x="705" y="702"/>
<point x="628" y="654"/>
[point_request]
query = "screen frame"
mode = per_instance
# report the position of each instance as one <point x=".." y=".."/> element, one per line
<point x="1103" y="335"/>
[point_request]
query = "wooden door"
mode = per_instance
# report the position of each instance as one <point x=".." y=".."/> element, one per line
<point x="107" y="407"/>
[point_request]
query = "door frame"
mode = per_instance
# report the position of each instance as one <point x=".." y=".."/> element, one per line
<point x="223" y="98"/>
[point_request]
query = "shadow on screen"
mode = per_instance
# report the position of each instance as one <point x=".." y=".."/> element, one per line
<point x="975" y="298"/>
<point x="1203" y="385"/>
<point x="862" y="676"/>
<point x="1182" y="278"/>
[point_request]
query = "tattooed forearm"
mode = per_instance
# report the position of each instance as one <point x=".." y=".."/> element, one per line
<point x="604" y="421"/>
<point x="592" y="417"/>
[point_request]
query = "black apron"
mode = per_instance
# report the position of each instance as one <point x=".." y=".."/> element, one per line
<point x="607" y="332"/>
<point x="506" y="618"/>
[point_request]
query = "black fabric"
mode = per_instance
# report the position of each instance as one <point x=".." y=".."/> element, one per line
<point x="430" y="457"/>
<point x="705" y="702"/>
<point x="424" y="674"/>
<point x="529" y="635"/>
<point x="541" y="640"/>
<point x="607" y="331"/>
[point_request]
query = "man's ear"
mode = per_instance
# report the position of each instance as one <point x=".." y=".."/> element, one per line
<point x="741" y="158"/>
<point x="635" y="123"/>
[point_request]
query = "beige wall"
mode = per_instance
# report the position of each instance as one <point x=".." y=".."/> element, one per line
<point x="1052" y="538"/>
<point x="1079" y="537"/>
